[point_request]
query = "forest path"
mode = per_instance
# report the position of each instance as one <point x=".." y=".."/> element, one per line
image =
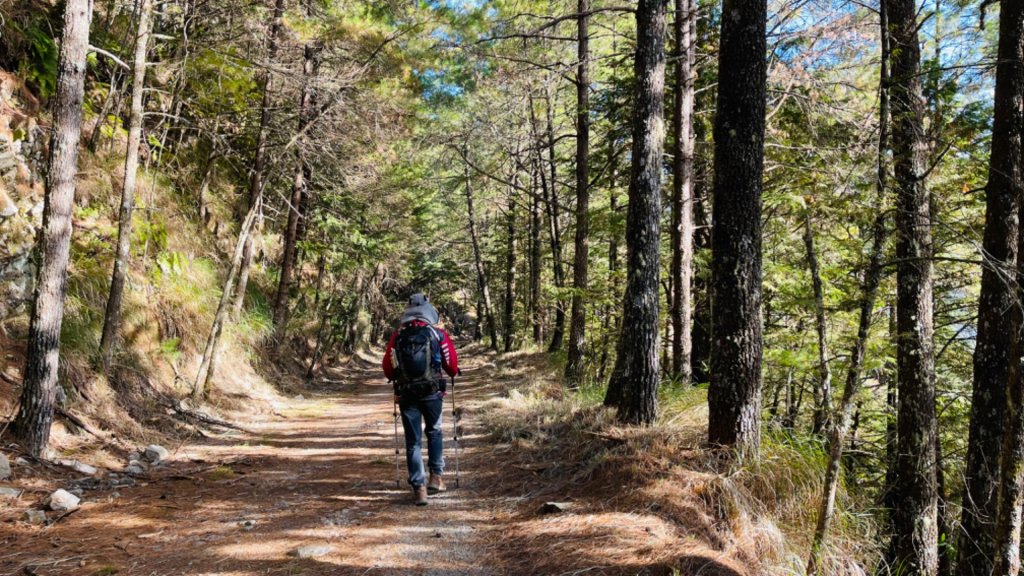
<point x="320" y="473"/>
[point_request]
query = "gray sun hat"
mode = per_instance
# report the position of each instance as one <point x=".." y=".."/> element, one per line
<point x="420" y="309"/>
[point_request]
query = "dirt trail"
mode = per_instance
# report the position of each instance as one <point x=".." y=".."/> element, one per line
<point x="321" y="473"/>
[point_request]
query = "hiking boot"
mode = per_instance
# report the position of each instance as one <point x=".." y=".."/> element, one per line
<point x="436" y="484"/>
<point x="420" y="495"/>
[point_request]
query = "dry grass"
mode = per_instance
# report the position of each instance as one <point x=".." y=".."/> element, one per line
<point x="741" y="517"/>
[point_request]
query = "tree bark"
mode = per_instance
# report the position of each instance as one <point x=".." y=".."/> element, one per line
<point x="256" y="179"/>
<point x="535" y="250"/>
<point x="31" y="427"/>
<point x="208" y="363"/>
<point x="1011" y="464"/>
<point x="554" y="230"/>
<point x="823" y="388"/>
<point x="682" y="191"/>
<point x="999" y="252"/>
<point x="734" y="397"/>
<point x="700" y="352"/>
<point x="300" y="184"/>
<point x="914" y="531"/>
<point x="510" y="273"/>
<point x="574" y="366"/>
<point x="478" y="260"/>
<point x="869" y="291"/>
<point x="112" y="317"/>
<point x="634" y="383"/>
<point x="613" y="268"/>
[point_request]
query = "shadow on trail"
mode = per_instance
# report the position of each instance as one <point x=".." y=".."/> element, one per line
<point x="244" y="503"/>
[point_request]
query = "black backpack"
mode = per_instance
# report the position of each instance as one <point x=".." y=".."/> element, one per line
<point x="418" y="351"/>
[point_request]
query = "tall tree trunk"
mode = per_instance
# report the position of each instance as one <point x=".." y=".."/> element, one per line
<point x="634" y="383"/>
<point x="943" y="513"/>
<point x="208" y="363"/>
<point x="682" y="191"/>
<point x="478" y="260"/>
<point x="892" y="407"/>
<point x="535" y="251"/>
<point x="607" y="326"/>
<point x="554" y="228"/>
<point x="700" y="353"/>
<point x="39" y="392"/>
<point x="300" y="184"/>
<point x="574" y="366"/>
<point x="869" y="291"/>
<point x="112" y="317"/>
<point x="510" y="273"/>
<point x="991" y="352"/>
<point x="914" y="531"/>
<point x="734" y="398"/>
<point x="823" y="388"/>
<point x="1011" y="464"/>
<point x="256" y="179"/>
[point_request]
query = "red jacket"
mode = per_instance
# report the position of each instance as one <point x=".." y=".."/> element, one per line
<point x="449" y="358"/>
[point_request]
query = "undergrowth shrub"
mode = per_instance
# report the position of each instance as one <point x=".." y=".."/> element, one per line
<point x="764" y="510"/>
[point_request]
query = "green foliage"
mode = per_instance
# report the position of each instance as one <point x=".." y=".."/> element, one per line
<point x="39" y="68"/>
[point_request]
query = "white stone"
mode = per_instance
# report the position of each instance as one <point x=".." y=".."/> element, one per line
<point x="312" y="551"/>
<point x="34" y="517"/>
<point x="135" y="469"/>
<point x="156" y="453"/>
<point x="78" y="467"/>
<point x="62" y="501"/>
<point x="5" y="467"/>
<point x="9" y="493"/>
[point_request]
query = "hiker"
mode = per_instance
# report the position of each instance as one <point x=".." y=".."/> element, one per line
<point x="413" y="360"/>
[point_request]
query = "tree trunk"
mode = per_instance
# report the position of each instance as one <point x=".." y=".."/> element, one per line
<point x="535" y="250"/>
<point x="39" y="392"/>
<point x="554" y="230"/>
<point x="574" y="366"/>
<point x="208" y="174"/>
<point x="700" y="354"/>
<point x="734" y="398"/>
<point x="914" y="531"/>
<point x="256" y="179"/>
<point x="112" y="317"/>
<point x="510" y="274"/>
<point x="823" y="388"/>
<point x="613" y="267"/>
<point x="943" y="513"/>
<point x="682" y="191"/>
<point x="892" y="402"/>
<point x="1011" y="465"/>
<point x="299" y="190"/>
<point x="208" y="363"/>
<point x="869" y="290"/>
<point x="481" y="274"/>
<point x="991" y="352"/>
<point x="634" y="383"/>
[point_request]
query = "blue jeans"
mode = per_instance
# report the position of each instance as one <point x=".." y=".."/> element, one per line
<point x="414" y="413"/>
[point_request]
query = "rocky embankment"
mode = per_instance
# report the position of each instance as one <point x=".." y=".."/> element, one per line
<point x="22" y="161"/>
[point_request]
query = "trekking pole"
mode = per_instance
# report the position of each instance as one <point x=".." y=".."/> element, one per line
<point x="455" y="432"/>
<point x="398" y="468"/>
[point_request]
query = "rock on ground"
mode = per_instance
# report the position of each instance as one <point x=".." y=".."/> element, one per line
<point x="34" y="517"/>
<point x="62" y="501"/>
<point x="9" y="493"/>
<point x="135" y="468"/>
<point x="554" y="507"/>
<point x="312" y="551"/>
<point x="156" y="453"/>
<point x="78" y="467"/>
<point x="5" y="467"/>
